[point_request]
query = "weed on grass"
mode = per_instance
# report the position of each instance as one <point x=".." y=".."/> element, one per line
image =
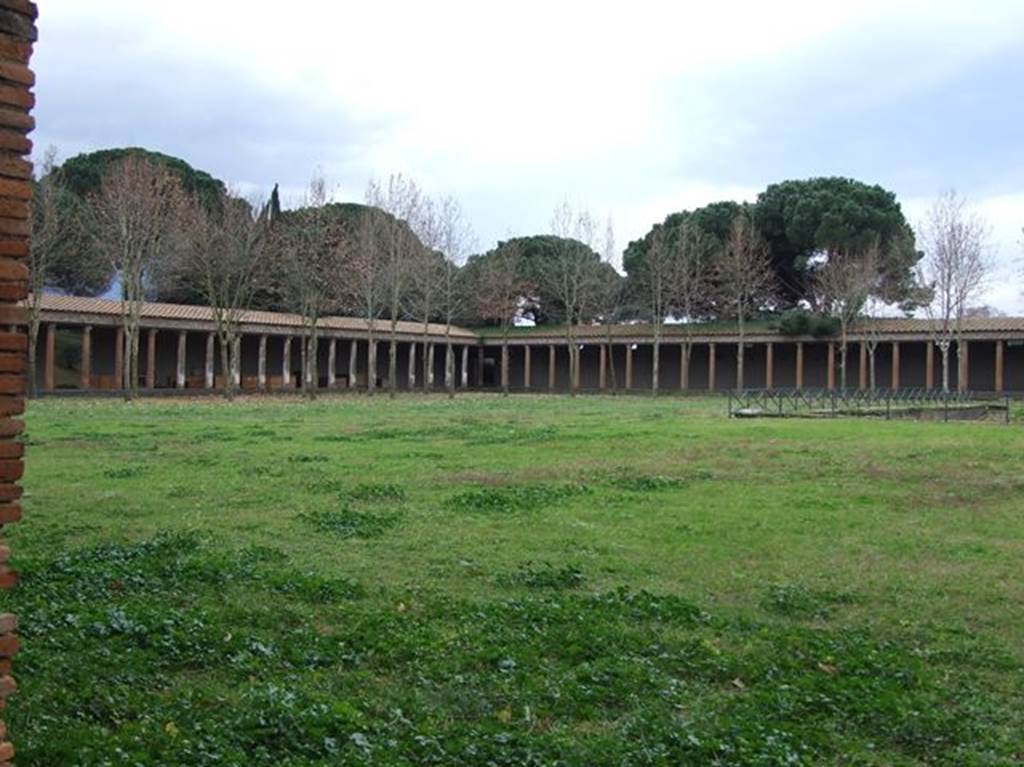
<point x="124" y="472"/>
<point x="798" y="601"/>
<point x="349" y="523"/>
<point x="544" y="576"/>
<point x="513" y="498"/>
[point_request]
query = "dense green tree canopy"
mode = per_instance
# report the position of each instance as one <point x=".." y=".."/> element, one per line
<point x="538" y="254"/>
<point x="805" y="220"/>
<point x="802" y="222"/>
<point x="83" y="174"/>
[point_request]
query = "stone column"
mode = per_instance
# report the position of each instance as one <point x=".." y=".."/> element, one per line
<point x="551" y="367"/>
<point x="963" y="382"/>
<point x="179" y="378"/>
<point x="151" y="359"/>
<point x="85" y="368"/>
<point x="428" y="374"/>
<point x="236" y="363"/>
<point x="261" y="364"/>
<point x="895" y="384"/>
<point x="412" y="367"/>
<point x="286" y="362"/>
<point x="629" y="366"/>
<point x="208" y="367"/>
<point x="49" y="358"/>
<point x="332" y="361"/>
<point x="1000" y="375"/>
<point x="464" y="371"/>
<point x="602" y="376"/>
<point x="929" y="365"/>
<point x="799" y="364"/>
<point x="862" y="367"/>
<point x="119" y="357"/>
<point x="353" y="367"/>
<point x="769" y="365"/>
<point x="711" y="366"/>
<point x="526" y="366"/>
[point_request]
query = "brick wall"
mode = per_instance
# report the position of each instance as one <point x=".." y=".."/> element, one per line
<point x="17" y="33"/>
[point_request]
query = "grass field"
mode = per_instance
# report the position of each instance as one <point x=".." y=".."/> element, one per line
<point x="528" y="581"/>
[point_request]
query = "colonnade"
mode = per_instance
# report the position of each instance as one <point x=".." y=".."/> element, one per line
<point x="776" y="357"/>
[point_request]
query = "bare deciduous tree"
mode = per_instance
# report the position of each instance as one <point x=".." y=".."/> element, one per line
<point x="312" y="248"/>
<point x="657" y="278"/>
<point x="136" y="216"/>
<point x="954" y="269"/>
<point x="745" y="278"/>
<point x="573" y="275"/>
<point x="498" y="293"/>
<point x="225" y="255"/>
<point x="693" y="250"/>
<point x="609" y="300"/>
<point x="400" y="249"/>
<point x="52" y="236"/>
<point x="362" y="285"/>
<point x="844" y="285"/>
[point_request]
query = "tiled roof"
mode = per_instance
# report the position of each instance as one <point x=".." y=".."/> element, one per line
<point x="161" y="311"/>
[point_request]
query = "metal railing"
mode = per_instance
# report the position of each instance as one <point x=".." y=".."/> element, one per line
<point x="835" y="402"/>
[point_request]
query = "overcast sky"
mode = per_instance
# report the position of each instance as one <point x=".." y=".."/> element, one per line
<point x="633" y="110"/>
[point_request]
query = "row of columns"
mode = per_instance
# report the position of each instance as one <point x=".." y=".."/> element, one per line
<point x="831" y="369"/>
<point x="180" y="378"/>
<point x="49" y="379"/>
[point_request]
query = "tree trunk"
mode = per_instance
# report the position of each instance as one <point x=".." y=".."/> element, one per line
<point x="842" y="361"/>
<point x="371" y="365"/>
<point x="655" y="362"/>
<point x="393" y="366"/>
<point x="310" y="373"/>
<point x="225" y="364"/>
<point x="871" y="365"/>
<point x="449" y="369"/>
<point x="944" y="348"/>
<point x="33" y="339"/>
<point x="611" y="367"/>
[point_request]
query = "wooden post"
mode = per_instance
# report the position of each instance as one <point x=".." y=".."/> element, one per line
<point x="208" y="367"/>
<point x="862" y="367"/>
<point x="179" y="378"/>
<point x="769" y="366"/>
<point x="711" y="366"/>
<point x="895" y="365"/>
<point x="332" y="362"/>
<point x="831" y="366"/>
<point x="799" y="364"/>
<point x="85" y="369"/>
<point x="1000" y="382"/>
<point x="526" y="366"/>
<point x="119" y="356"/>
<point x="629" y="366"/>
<point x="464" y="372"/>
<point x="963" y="351"/>
<point x="261" y="365"/>
<point x="412" y="366"/>
<point x="151" y="359"/>
<point x="929" y="365"/>
<point x="602" y="377"/>
<point x="49" y="358"/>
<point x="286" y="362"/>
<point x="551" y="367"/>
<point x="684" y="366"/>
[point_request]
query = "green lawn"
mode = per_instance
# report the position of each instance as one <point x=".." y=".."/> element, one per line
<point x="524" y="581"/>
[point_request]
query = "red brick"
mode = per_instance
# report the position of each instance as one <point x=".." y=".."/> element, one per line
<point x="15" y="50"/>
<point x="9" y="645"/>
<point x="15" y="167"/>
<point x="13" y="291"/>
<point x="12" y="208"/>
<point x="18" y="73"/>
<point x="8" y="623"/>
<point x="3" y="730"/>
<point x="17" y="23"/>
<point x="25" y="7"/>
<point x="16" y="226"/>
<point x="9" y="493"/>
<point x="19" y="190"/>
<point x="13" y="315"/>
<point x="17" y="119"/>
<point x="9" y="449"/>
<point x="13" y="342"/>
<point x="17" y="97"/>
<point x="11" y="427"/>
<point x="8" y="580"/>
<point x="12" y="383"/>
<point x="5" y="555"/>
<point x="11" y="470"/>
<point x="14" y="248"/>
<point x="7" y="751"/>
<point x="12" y="363"/>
